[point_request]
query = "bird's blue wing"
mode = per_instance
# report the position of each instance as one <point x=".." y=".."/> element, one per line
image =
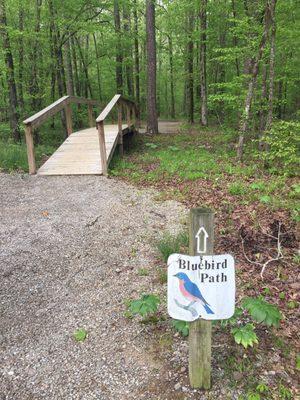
<point x="193" y="289"/>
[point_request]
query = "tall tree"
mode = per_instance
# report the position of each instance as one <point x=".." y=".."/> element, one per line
<point x="136" y="54"/>
<point x="244" y="124"/>
<point x="119" y="52"/>
<point x="203" y="76"/>
<point x="10" y="71"/>
<point x="152" y="122"/>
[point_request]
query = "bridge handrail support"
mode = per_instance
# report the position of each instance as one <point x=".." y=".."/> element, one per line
<point x="130" y="106"/>
<point x="64" y="103"/>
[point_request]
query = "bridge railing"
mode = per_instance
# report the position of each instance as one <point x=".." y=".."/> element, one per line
<point x="132" y="116"/>
<point x="64" y="103"/>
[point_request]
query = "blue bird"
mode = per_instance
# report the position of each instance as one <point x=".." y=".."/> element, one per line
<point x="191" y="291"/>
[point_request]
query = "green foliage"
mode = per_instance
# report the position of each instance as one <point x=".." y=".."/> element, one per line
<point x="245" y="335"/>
<point x="182" y="327"/>
<point x="298" y="362"/>
<point x="265" y="199"/>
<point x="80" y="335"/>
<point x="172" y="244"/>
<point x="283" y="140"/>
<point x="262" y="311"/>
<point x="237" y="189"/>
<point x="151" y="145"/>
<point x="146" y="305"/>
<point x="13" y="157"/>
<point x="143" y="272"/>
<point x="284" y="393"/>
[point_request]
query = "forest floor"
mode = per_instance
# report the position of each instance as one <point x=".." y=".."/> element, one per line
<point x="252" y="205"/>
<point x="76" y="250"/>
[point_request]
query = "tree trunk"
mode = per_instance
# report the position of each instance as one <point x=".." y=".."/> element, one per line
<point x="13" y="99"/>
<point x="98" y="68"/>
<point x="129" y="56"/>
<point x="244" y="124"/>
<point x="21" y="58"/>
<point x="190" y="67"/>
<point x="203" y="80"/>
<point x="171" y="60"/>
<point x="235" y="39"/>
<point x="272" y="66"/>
<point x="119" y="53"/>
<point x="136" y="55"/>
<point x="152" y="123"/>
<point x="69" y="68"/>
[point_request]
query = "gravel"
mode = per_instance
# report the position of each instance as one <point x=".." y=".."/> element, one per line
<point x="70" y="250"/>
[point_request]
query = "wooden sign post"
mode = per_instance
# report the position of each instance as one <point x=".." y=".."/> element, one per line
<point x="200" y="243"/>
<point x="201" y="289"/>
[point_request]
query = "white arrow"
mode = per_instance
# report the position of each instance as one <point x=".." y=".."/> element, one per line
<point x="201" y="237"/>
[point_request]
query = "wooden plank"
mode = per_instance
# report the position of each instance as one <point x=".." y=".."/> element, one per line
<point x="108" y="108"/>
<point x="36" y="119"/>
<point x="200" y="330"/>
<point x="30" y="149"/>
<point x="80" y="153"/>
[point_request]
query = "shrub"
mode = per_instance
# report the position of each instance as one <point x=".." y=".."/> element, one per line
<point x="283" y="142"/>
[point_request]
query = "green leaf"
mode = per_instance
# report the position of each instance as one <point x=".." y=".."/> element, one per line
<point x="262" y="311"/>
<point x="80" y="335"/>
<point x="245" y="335"/>
<point x="265" y="199"/>
<point x="147" y="304"/>
<point x="182" y="327"/>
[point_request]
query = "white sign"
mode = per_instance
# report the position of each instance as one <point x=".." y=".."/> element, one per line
<point x="201" y="287"/>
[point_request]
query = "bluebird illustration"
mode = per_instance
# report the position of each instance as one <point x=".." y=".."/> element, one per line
<point x="191" y="291"/>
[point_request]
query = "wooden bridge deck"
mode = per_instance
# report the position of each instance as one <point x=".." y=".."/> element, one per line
<point x="80" y="153"/>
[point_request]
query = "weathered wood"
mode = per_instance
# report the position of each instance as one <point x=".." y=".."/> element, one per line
<point x="120" y="130"/>
<point x="128" y="117"/>
<point x="108" y="108"/>
<point x="68" y="111"/>
<point x="200" y="330"/>
<point x="36" y="119"/>
<point x="91" y="117"/>
<point x="30" y="148"/>
<point x="101" y="135"/>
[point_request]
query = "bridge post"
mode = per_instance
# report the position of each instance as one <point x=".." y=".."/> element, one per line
<point x="90" y="113"/>
<point x="68" y="111"/>
<point x="120" y="130"/>
<point x="128" y="116"/>
<point x="30" y="148"/>
<point x="101" y="135"/>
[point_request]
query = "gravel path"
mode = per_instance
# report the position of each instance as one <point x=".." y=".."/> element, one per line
<point x="71" y="248"/>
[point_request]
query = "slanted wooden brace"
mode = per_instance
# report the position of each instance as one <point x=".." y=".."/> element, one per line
<point x="200" y="330"/>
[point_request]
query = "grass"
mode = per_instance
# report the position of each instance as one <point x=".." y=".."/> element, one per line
<point x="172" y="244"/>
<point x="207" y="155"/>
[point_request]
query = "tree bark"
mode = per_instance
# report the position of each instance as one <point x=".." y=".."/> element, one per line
<point x="119" y="53"/>
<point x="172" y="89"/>
<point x="272" y="65"/>
<point x="244" y="124"/>
<point x="190" y="67"/>
<point x="129" y="56"/>
<point x="136" y="55"/>
<point x="21" y="58"/>
<point x="69" y="68"/>
<point x="10" y="72"/>
<point x="152" y="122"/>
<point x="203" y="77"/>
<point x="98" y="67"/>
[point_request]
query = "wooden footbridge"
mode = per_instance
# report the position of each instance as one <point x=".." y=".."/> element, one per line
<point x="88" y="151"/>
